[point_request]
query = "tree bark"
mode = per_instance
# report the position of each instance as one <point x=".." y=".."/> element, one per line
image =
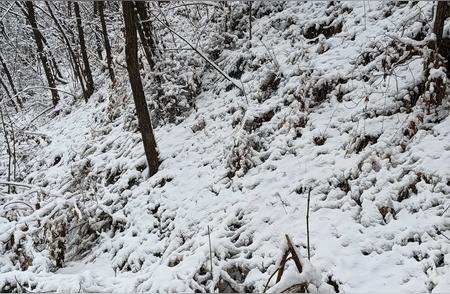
<point x="438" y="27"/>
<point x="87" y="69"/>
<point x="8" y="74"/>
<point x="69" y="8"/>
<point x="8" y="94"/>
<point x="5" y="87"/>
<point x="98" y="42"/>
<point x="143" y="115"/>
<point x="42" y="56"/>
<point x="8" y="148"/>
<point x="10" y="81"/>
<point x="145" y="33"/>
<point x="101" y="12"/>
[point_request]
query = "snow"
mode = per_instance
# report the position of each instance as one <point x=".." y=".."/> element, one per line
<point x="364" y="233"/>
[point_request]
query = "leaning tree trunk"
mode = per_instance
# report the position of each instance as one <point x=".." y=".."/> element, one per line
<point x="143" y="115"/>
<point x="8" y="74"/>
<point x="5" y="88"/>
<point x="43" y="57"/>
<point x="87" y="69"/>
<point x="101" y="13"/>
<point x="10" y="81"/>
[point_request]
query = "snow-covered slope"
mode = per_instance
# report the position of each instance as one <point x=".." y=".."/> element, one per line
<point x="328" y="106"/>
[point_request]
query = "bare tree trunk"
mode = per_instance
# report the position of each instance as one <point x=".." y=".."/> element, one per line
<point x="8" y="74"/>
<point x="436" y="85"/>
<point x="5" y="87"/>
<point x="8" y="94"/>
<point x="101" y="12"/>
<point x="98" y="42"/>
<point x="69" y="8"/>
<point x="45" y="64"/>
<point x="10" y="81"/>
<point x="87" y="69"/>
<point x="76" y="66"/>
<point x="438" y="27"/>
<point x="143" y="115"/>
<point x="145" y="33"/>
<point x="14" y="158"/>
<point x="8" y="148"/>
<point x="250" y="21"/>
<point x="442" y="45"/>
<point x="53" y="64"/>
<point x="226" y="11"/>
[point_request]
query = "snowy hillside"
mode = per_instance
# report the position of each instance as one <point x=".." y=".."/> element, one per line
<point x="335" y="102"/>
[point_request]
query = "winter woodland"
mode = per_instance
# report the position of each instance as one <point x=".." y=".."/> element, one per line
<point x="224" y="146"/>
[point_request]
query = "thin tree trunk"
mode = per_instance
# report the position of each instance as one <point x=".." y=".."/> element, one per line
<point x="57" y="75"/>
<point x="5" y="87"/>
<point x="87" y="69"/>
<point x="43" y="57"/>
<point x="14" y="158"/>
<point x="8" y="74"/>
<point x="226" y="11"/>
<point x="76" y="66"/>
<point x="69" y="8"/>
<point x="8" y="148"/>
<point x="8" y="94"/>
<point x="101" y="13"/>
<point x="250" y="22"/>
<point x="11" y="82"/>
<point x="145" y="33"/>
<point x="98" y="42"/>
<point x="143" y="115"/>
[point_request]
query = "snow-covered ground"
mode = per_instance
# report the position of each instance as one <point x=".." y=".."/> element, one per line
<point x="319" y="112"/>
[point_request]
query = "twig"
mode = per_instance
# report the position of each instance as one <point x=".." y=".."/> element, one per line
<point x="210" y="252"/>
<point x="295" y="257"/>
<point x="270" y="278"/>
<point x="365" y="16"/>
<point x="445" y="236"/>
<point x="276" y="271"/>
<point x="282" y="202"/>
<point x="9" y="183"/>
<point x="282" y="264"/>
<point x="284" y="259"/>
<point x="48" y="193"/>
<point x="20" y="285"/>
<point x="250" y="22"/>
<point x="446" y="209"/>
<point x="18" y="202"/>
<point x="439" y="232"/>
<point x="307" y="223"/>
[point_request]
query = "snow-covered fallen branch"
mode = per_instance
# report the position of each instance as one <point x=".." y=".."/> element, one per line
<point x="32" y="187"/>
